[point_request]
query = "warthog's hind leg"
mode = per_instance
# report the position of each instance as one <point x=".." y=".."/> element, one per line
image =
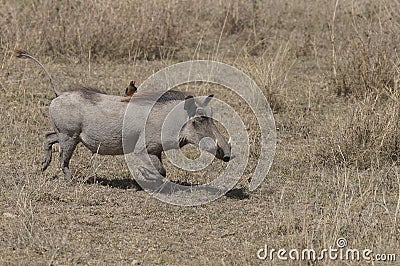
<point x="50" y="139"/>
<point x="67" y="145"/>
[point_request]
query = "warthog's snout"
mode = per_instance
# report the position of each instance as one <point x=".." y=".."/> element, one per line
<point x="226" y="157"/>
<point x="224" y="151"/>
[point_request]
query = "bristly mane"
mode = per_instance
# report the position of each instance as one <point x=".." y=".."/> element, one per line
<point x="91" y="94"/>
<point x="89" y="90"/>
<point x="152" y="96"/>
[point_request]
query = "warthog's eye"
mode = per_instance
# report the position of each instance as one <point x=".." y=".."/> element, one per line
<point x="200" y="111"/>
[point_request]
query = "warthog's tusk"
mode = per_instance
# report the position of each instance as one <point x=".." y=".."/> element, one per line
<point x="229" y="140"/>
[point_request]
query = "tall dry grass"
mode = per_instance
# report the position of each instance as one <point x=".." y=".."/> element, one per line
<point x="368" y="59"/>
<point x="96" y="28"/>
<point x="270" y="73"/>
<point x="367" y="42"/>
<point x="370" y="136"/>
<point x="150" y="29"/>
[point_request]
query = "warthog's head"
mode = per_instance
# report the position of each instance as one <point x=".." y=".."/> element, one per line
<point x="200" y="126"/>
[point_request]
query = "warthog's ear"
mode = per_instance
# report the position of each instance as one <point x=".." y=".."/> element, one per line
<point x="208" y="99"/>
<point x="190" y="105"/>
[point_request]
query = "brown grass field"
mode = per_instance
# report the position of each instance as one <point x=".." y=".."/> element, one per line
<point x="329" y="69"/>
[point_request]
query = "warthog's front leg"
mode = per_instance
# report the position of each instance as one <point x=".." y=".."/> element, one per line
<point x="50" y="139"/>
<point x="151" y="161"/>
<point x="67" y="147"/>
<point x="150" y="175"/>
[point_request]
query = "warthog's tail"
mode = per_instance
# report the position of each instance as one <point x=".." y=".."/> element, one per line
<point x="24" y="54"/>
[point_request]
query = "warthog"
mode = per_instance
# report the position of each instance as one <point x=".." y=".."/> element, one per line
<point x="96" y="120"/>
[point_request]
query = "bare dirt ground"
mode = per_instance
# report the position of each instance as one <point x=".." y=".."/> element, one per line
<point x="334" y="94"/>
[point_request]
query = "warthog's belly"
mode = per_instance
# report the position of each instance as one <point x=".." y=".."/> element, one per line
<point x="103" y="146"/>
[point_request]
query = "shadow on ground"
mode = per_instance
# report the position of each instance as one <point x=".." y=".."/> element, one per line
<point x="237" y="193"/>
<point x="128" y="183"/>
<point x="125" y="183"/>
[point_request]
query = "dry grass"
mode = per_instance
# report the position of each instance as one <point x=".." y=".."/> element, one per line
<point x="94" y="28"/>
<point x="335" y="174"/>
<point x="367" y="76"/>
